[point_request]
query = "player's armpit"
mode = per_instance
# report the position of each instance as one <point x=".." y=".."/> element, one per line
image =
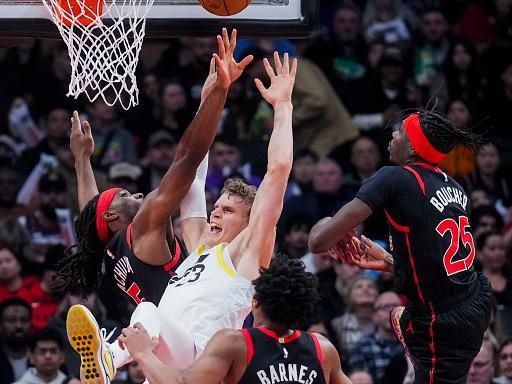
<point x="326" y="233"/>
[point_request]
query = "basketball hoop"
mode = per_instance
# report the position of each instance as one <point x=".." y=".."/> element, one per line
<point x="104" y="38"/>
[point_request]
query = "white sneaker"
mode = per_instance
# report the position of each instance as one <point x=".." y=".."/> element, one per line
<point x="86" y="337"/>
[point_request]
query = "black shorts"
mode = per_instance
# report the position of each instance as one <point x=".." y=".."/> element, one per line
<point x="442" y="339"/>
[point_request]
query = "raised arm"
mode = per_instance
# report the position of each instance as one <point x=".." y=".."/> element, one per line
<point x="329" y="231"/>
<point x="214" y="365"/>
<point x="194" y="144"/>
<point x="82" y="147"/>
<point x="256" y="242"/>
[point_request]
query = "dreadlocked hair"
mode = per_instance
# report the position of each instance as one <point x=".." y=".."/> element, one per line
<point x="286" y="292"/>
<point x="79" y="271"/>
<point x="440" y="131"/>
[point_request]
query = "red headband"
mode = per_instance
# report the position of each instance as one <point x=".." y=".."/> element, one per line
<point x="104" y="202"/>
<point x="419" y="141"/>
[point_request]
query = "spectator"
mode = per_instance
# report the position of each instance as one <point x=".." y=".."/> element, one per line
<point x="125" y="175"/>
<point x="491" y="254"/>
<point x="485" y="218"/>
<point x="505" y="363"/>
<point x="43" y="224"/>
<point x="303" y="170"/>
<point x="365" y="161"/>
<point x="341" y="54"/>
<point x="9" y="185"/>
<point x="159" y="156"/>
<point x="374" y="351"/>
<point x="39" y="292"/>
<point x="112" y="142"/>
<point x="46" y="356"/>
<point x="320" y="120"/>
<point x="358" y="320"/>
<point x="15" y="320"/>
<point x="360" y="377"/>
<point x="10" y="150"/>
<point x="327" y="196"/>
<point x="386" y="20"/>
<point x="378" y="100"/>
<point x="479" y="198"/>
<point x="482" y="368"/>
<point x="489" y="176"/>
<point x="431" y="56"/>
<point x="56" y="125"/>
<point x="175" y="114"/>
<point x="461" y="160"/>
<point x="295" y="236"/>
<point x="226" y="162"/>
<point x="135" y="374"/>
<point x="462" y="73"/>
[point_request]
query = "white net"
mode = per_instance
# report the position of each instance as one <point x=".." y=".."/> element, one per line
<point x="104" y="38"/>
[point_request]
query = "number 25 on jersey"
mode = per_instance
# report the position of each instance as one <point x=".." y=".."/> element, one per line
<point x="459" y="231"/>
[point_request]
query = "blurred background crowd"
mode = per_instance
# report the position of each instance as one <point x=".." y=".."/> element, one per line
<point x="366" y="61"/>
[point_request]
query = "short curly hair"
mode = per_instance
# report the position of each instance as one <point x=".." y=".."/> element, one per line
<point x="238" y="187"/>
<point x="286" y="293"/>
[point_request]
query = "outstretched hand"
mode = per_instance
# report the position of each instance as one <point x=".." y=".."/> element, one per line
<point x="137" y="340"/>
<point x="228" y="70"/>
<point x="364" y="253"/>
<point x="81" y="141"/>
<point x="281" y="81"/>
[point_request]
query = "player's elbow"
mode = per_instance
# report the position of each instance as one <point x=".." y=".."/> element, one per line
<point x="314" y="243"/>
<point x="281" y="166"/>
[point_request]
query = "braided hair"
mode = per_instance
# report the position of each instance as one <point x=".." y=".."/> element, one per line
<point x="286" y="292"/>
<point x="440" y="131"/>
<point x="80" y="269"/>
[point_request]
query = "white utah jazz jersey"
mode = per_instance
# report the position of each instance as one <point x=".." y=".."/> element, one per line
<point x="207" y="294"/>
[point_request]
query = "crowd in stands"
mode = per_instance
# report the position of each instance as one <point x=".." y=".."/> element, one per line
<point x="368" y="60"/>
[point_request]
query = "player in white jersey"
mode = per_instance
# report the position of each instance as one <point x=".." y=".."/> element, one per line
<point x="212" y="289"/>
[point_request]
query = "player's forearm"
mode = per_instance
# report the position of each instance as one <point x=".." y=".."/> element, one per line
<point x="157" y="372"/>
<point x="199" y="135"/>
<point x="86" y="182"/>
<point x="280" y="146"/>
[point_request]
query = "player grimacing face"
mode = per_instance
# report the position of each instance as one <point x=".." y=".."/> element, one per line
<point x="229" y="217"/>
<point x="399" y="147"/>
<point x="126" y="205"/>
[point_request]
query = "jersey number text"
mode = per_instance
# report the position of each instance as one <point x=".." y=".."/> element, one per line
<point x="458" y="232"/>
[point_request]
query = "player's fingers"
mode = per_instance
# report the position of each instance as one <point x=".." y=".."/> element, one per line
<point x="260" y="86"/>
<point x="225" y="38"/>
<point x="218" y="60"/>
<point x="220" y="43"/>
<point x="293" y="71"/>
<point x="87" y="129"/>
<point x="286" y="63"/>
<point x="246" y="61"/>
<point x="212" y="66"/>
<point x="366" y="242"/>
<point x="277" y="62"/>
<point x="75" y="121"/>
<point x="120" y="340"/>
<point x="232" y="41"/>
<point x="268" y="68"/>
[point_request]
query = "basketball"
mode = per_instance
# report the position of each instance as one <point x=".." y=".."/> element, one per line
<point x="224" y="7"/>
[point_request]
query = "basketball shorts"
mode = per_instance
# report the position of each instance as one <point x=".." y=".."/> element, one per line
<point x="442" y="339"/>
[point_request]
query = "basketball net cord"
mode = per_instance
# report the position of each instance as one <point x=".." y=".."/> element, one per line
<point x="104" y="39"/>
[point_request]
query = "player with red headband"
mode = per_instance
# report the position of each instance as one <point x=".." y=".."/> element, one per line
<point x="131" y="235"/>
<point x="432" y="247"/>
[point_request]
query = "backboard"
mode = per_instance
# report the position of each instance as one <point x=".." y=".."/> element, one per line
<point x="173" y="18"/>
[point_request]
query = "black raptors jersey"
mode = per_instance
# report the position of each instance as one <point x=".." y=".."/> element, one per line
<point x="271" y="359"/>
<point x="430" y="235"/>
<point x="140" y="281"/>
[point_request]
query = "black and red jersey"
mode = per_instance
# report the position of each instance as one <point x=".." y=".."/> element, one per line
<point x="430" y="234"/>
<point x="140" y="281"/>
<point x="272" y="359"/>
